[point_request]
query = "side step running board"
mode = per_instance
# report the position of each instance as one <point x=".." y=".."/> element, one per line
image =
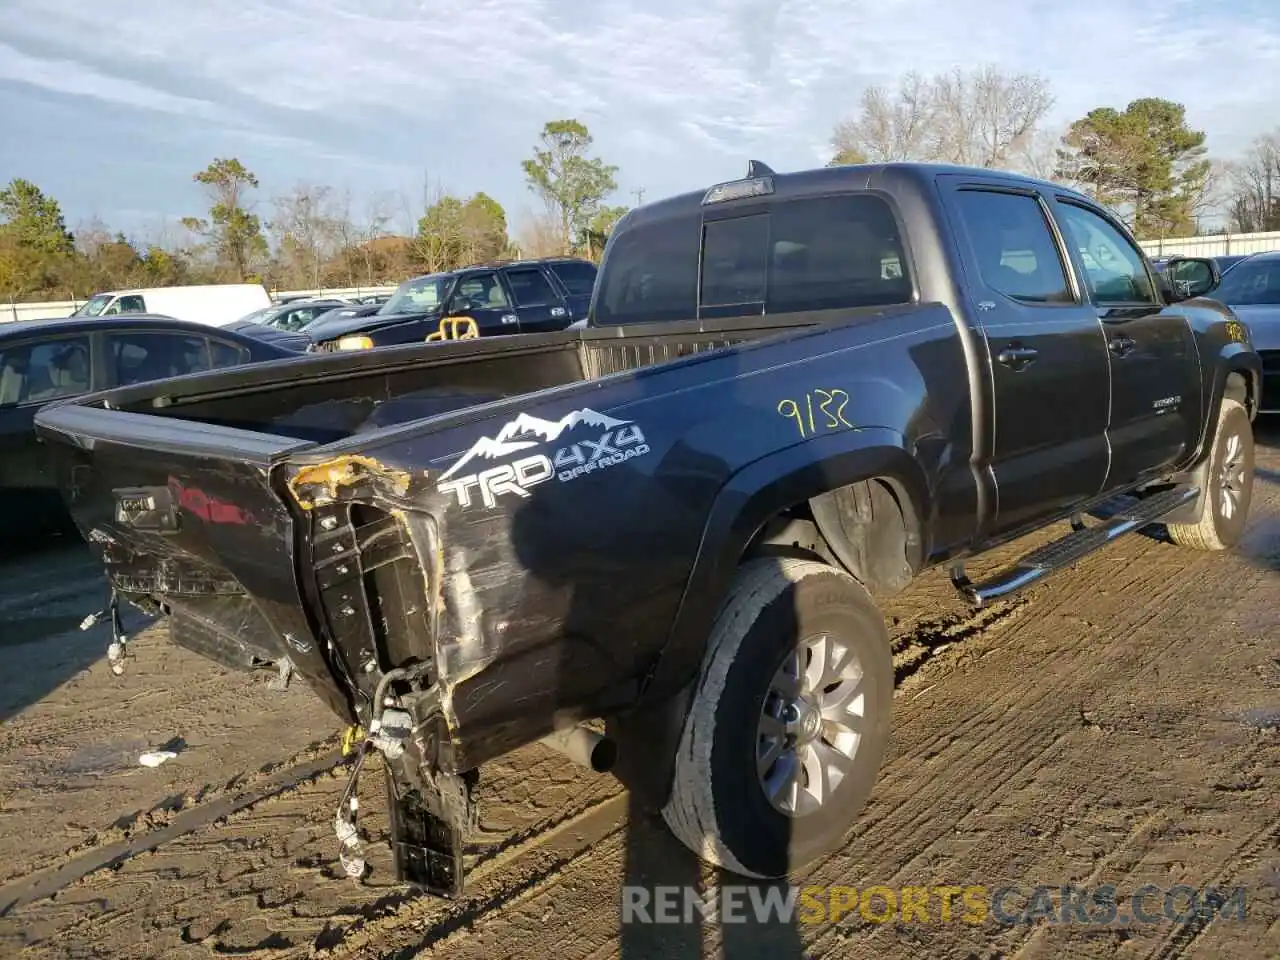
<point x="1063" y="552"/>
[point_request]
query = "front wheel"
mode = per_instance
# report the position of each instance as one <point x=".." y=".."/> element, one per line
<point x="789" y="723"/>
<point x="1228" y="485"/>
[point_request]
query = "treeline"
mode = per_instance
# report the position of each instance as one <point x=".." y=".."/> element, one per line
<point x="310" y="235"/>
<point x="1142" y="160"/>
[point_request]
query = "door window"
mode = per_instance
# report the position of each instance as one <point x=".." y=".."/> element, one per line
<point x="578" y="278"/>
<point x="1013" y="245"/>
<point x="479" y="291"/>
<point x="130" y="303"/>
<point x="530" y="288"/>
<point x="1114" y="268"/>
<point x="139" y="357"/>
<point x="227" y="354"/>
<point x="38" y="372"/>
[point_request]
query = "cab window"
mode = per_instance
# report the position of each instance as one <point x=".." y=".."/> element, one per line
<point x="38" y="372"/>
<point x="129" y="303"/>
<point x="479" y="291"/>
<point x="1114" y="268"/>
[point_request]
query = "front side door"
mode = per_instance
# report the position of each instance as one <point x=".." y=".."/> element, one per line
<point x="1049" y="368"/>
<point x="482" y="297"/>
<point x="539" y="305"/>
<point x="1155" y="374"/>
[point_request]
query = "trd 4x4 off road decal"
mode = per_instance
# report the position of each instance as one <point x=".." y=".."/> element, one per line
<point x="586" y="442"/>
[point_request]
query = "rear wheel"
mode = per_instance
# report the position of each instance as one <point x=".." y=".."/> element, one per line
<point x="789" y="724"/>
<point x="1229" y="485"/>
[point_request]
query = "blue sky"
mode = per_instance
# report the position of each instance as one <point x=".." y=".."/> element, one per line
<point x="110" y="106"/>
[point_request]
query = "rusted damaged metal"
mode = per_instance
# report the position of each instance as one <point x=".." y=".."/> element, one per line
<point x="318" y="484"/>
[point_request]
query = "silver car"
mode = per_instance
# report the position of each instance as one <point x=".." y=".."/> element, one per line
<point x="1251" y="288"/>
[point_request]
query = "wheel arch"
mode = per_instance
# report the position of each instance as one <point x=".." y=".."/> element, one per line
<point x="813" y="472"/>
<point x="755" y="495"/>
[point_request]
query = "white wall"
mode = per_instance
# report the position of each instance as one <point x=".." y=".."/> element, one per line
<point x="10" y="312"/>
<point x="1219" y="246"/>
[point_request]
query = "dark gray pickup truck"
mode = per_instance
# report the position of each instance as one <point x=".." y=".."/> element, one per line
<point x="794" y="393"/>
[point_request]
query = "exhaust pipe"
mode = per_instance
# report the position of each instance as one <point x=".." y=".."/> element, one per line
<point x="584" y="747"/>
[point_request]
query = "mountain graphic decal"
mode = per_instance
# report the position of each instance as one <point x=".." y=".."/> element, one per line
<point x="527" y="431"/>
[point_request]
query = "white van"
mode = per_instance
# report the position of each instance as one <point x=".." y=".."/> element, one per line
<point x="216" y="304"/>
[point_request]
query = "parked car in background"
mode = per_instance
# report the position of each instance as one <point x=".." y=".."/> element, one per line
<point x="43" y="360"/>
<point x="215" y="304"/>
<point x="295" y="314"/>
<point x="523" y="296"/>
<point x="348" y="310"/>
<point x="1226" y="262"/>
<point x="1251" y="288"/>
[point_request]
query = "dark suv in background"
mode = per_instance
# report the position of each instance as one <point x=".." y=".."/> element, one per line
<point x="509" y="297"/>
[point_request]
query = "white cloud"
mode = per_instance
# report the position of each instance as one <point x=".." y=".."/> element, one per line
<point x="686" y="91"/>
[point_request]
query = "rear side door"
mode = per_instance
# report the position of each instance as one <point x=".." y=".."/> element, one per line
<point x="1155" y="373"/>
<point x="539" y="305"/>
<point x="578" y="279"/>
<point x="1048" y="355"/>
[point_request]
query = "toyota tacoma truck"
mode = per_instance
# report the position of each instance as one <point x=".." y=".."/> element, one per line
<point x="793" y="394"/>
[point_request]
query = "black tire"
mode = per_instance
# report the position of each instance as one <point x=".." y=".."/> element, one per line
<point x="1217" y="530"/>
<point x="718" y="807"/>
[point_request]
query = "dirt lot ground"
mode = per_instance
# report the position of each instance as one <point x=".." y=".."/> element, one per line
<point x="1118" y="725"/>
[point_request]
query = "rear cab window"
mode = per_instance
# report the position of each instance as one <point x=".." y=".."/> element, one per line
<point x="40" y="371"/>
<point x="826" y="252"/>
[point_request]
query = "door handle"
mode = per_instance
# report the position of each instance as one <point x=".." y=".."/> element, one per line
<point x="1122" y="345"/>
<point x="1017" y="357"/>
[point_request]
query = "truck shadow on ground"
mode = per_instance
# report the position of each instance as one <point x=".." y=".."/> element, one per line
<point x="670" y="902"/>
<point x="47" y="588"/>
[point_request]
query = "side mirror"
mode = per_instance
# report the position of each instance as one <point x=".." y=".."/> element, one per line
<point x="1191" y="276"/>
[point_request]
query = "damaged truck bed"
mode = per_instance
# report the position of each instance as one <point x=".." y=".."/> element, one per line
<point x="795" y="393"/>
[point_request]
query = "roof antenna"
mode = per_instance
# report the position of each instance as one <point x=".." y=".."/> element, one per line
<point x="757" y="169"/>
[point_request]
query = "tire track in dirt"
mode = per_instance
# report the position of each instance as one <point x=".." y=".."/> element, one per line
<point x="1005" y="762"/>
<point x="48" y="882"/>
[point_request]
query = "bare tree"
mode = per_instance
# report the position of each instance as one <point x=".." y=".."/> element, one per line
<point x="981" y="118"/>
<point x="1252" y="187"/>
<point x="890" y="125"/>
<point x="376" y="218"/>
<point x="304" y="229"/>
<point x="540" y="236"/>
<point x="986" y="118"/>
<point x="1038" y="156"/>
<point x="91" y="236"/>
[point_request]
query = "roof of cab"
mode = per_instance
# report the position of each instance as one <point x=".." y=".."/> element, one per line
<point x="65" y="325"/>
<point x="844" y="177"/>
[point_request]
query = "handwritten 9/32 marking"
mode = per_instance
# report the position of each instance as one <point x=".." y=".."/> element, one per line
<point x="817" y="410"/>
